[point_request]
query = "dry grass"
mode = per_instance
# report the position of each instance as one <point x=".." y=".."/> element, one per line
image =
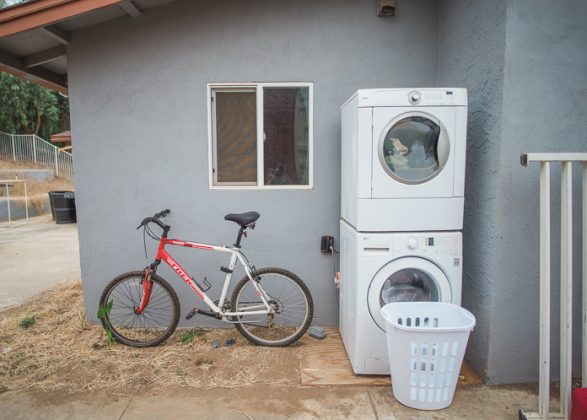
<point x="62" y="351"/>
<point x="37" y="202"/>
<point x="38" y="187"/>
<point x="33" y="187"/>
<point x="8" y="165"/>
<point x="36" y="190"/>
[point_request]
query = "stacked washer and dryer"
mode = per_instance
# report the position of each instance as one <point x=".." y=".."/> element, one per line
<point x="402" y="197"/>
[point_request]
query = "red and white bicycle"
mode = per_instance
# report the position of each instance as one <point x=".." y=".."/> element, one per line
<point x="269" y="306"/>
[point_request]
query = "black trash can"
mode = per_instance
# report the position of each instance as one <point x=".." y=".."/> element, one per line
<point x="62" y="206"/>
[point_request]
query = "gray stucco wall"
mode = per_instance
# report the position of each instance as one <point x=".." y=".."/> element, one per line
<point x="544" y="109"/>
<point x="525" y="67"/>
<point x="471" y="54"/>
<point x="138" y="100"/>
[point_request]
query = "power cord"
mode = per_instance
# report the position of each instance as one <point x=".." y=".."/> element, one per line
<point x="333" y="252"/>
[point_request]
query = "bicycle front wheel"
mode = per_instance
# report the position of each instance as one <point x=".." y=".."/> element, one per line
<point x="158" y="319"/>
<point x="290" y="299"/>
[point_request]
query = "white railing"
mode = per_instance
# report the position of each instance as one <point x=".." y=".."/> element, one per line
<point x="566" y="281"/>
<point x="32" y="148"/>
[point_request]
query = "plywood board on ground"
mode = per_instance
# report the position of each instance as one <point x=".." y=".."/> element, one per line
<point x="325" y="362"/>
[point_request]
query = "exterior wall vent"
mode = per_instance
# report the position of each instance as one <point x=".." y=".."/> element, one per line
<point x="386" y="7"/>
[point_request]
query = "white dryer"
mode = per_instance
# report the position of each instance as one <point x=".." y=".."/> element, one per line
<point x="403" y="159"/>
<point x="379" y="268"/>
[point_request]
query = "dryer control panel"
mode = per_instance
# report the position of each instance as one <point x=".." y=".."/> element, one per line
<point x="412" y="97"/>
<point x="431" y="97"/>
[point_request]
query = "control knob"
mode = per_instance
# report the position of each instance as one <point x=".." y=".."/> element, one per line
<point x="414" y="97"/>
<point x="412" y="243"/>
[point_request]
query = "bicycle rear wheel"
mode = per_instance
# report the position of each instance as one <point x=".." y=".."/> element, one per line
<point x="157" y="321"/>
<point x="288" y="296"/>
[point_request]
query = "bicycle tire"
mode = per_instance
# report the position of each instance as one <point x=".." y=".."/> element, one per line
<point x="154" y="325"/>
<point x="282" y="329"/>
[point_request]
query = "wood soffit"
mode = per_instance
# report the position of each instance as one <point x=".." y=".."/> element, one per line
<point x="42" y="15"/>
<point x="45" y="12"/>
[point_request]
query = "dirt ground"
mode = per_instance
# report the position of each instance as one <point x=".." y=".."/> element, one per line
<point x="53" y="364"/>
<point x="61" y="351"/>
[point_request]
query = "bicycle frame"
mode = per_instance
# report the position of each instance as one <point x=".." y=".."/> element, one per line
<point x="236" y="255"/>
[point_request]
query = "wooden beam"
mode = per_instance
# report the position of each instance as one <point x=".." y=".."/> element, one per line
<point x="15" y="66"/>
<point x="130" y="8"/>
<point x="11" y="60"/>
<point x="39" y="13"/>
<point x="56" y="33"/>
<point x="43" y="57"/>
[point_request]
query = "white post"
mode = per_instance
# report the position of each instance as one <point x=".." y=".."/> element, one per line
<point x="13" y="148"/>
<point x="26" y="201"/>
<point x="566" y="286"/>
<point x="544" y="390"/>
<point x="56" y="163"/>
<point x="8" y="202"/>
<point x="35" y="148"/>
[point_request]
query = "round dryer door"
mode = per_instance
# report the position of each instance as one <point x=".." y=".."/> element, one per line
<point x="407" y="279"/>
<point x="414" y="148"/>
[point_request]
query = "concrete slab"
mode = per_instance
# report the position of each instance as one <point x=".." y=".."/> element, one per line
<point x="477" y="402"/>
<point x="18" y="405"/>
<point x="257" y="402"/>
<point x="35" y="257"/>
<point x="471" y="401"/>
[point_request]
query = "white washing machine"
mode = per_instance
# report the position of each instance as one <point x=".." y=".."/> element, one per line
<point x="403" y="159"/>
<point x="379" y="268"/>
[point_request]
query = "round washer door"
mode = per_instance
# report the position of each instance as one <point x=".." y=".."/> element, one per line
<point x="407" y="279"/>
<point x="414" y="148"/>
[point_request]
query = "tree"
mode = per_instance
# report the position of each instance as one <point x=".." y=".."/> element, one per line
<point x="28" y="108"/>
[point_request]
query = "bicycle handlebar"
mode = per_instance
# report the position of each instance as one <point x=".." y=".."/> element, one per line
<point x="155" y="219"/>
<point x="162" y="213"/>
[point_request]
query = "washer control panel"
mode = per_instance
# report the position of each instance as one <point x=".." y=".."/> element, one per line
<point x="436" y="244"/>
<point x="426" y="244"/>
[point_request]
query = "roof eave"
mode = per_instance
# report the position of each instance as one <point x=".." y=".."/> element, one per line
<point x="40" y="13"/>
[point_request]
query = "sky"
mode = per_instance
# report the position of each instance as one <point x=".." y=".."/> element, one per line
<point x="11" y="2"/>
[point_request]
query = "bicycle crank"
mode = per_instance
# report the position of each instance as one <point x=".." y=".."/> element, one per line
<point x="197" y="311"/>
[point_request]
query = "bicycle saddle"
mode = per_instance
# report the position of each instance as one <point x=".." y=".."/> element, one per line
<point x="243" y="219"/>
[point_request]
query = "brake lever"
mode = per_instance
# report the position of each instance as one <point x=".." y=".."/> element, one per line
<point x="143" y="223"/>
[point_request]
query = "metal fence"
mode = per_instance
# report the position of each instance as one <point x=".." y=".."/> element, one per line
<point x="32" y="148"/>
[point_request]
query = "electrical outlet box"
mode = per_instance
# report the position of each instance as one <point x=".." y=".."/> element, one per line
<point x="326" y="244"/>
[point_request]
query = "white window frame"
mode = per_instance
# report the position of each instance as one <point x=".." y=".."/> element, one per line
<point x="258" y="89"/>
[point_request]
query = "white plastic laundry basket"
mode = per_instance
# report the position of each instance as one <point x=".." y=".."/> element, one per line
<point x="426" y="343"/>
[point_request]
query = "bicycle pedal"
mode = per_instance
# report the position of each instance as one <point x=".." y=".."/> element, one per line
<point x="192" y="313"/>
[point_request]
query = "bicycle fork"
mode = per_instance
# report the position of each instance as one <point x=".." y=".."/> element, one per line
<point x="147" y="288"/>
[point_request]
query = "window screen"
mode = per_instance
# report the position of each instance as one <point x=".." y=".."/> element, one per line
<point x="236" y="137"/>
